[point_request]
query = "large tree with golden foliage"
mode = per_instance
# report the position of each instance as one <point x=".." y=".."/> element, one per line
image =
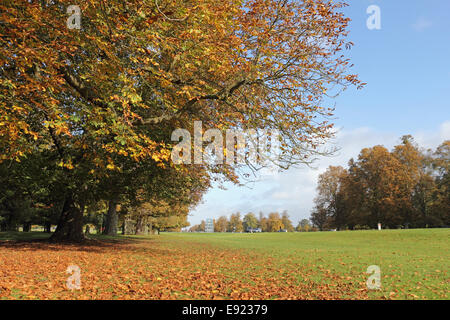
<point x="110" y="91"/>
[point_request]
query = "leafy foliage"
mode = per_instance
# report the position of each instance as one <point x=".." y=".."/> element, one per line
<point x="402" y="188"/>
<point x="100" y="103"/>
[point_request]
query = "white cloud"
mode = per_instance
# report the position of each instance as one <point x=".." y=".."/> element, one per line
<point x="295" y="189"/>
<point x="421" y="24"/>
<point x="445" y="131"/>
<point x="430" y="139"/>
<point x="280" y="195"/>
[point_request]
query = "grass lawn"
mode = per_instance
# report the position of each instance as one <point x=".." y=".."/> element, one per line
<point x="321" y="265"/>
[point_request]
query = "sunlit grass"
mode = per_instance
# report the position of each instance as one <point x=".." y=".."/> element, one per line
<point x="414" y="263"/>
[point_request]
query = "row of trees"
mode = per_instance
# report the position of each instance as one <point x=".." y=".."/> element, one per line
<point x="31" y="195"/>
<point x="407" y="187"/>
<point x="274" y="222"/>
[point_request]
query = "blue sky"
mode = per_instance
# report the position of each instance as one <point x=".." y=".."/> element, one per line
<point x="406" y="65"/>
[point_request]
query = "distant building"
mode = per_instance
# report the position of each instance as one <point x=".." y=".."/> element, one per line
<point x="209" y="225"/>
<point x="252" y="230"/>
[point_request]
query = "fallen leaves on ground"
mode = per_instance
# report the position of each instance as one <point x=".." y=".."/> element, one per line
<point x="155" y="269"/>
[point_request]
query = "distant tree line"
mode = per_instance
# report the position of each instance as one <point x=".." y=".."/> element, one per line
<point x="404" y="188"/>
<point x="274" y="222"/>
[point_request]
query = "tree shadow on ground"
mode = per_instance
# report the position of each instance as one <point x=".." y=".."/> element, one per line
<point x="34" y="241"/>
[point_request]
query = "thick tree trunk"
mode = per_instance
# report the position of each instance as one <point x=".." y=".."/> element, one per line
<point x="128" y="226"/>
<point x="70" y="225"/>
<point x="111" y="219"/>
<point x="8" y="224"/>
<point x="48" y="227"/>
<point x="26" y="227"/>
<point x="141" y="228"/>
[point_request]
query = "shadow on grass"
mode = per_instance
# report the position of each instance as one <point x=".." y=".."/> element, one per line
<point x="23" y="236"/>
<point x="32" y="240"/>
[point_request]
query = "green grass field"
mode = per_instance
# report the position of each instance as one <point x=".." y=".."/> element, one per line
<point x="414" y="263"/>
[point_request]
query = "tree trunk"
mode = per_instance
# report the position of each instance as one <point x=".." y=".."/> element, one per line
<point x="70" y="225"/>
<point x="128" y="226"/>
<point x="9" y="224"/>
<point x="26" y="227"/>
<point x="111" y="219"/>
<point x="141" y="228"/>
<point x="48" y="227"/>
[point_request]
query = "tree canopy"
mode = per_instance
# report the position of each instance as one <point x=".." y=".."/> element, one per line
<point x="98" y="104"/>
<point x="405" y="187"/>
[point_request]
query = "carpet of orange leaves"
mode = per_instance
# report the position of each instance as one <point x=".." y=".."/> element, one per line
<point x="154" y="269"/>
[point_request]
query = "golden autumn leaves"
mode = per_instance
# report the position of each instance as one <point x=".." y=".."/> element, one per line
<point x="130" y="64"/>
<point x="100" y="103"/>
